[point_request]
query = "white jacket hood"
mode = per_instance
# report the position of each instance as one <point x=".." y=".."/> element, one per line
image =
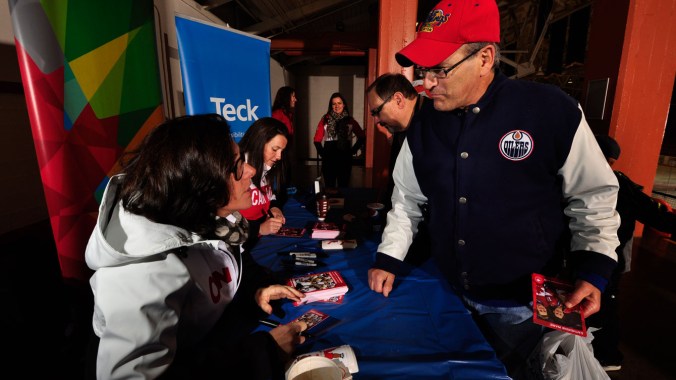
<point x="121" y="237"/>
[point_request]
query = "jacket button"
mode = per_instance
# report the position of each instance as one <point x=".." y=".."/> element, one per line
<point x="461" y="242"/>
<point x="463" y="274"/>
<point x="464" y="155"/>
<point x="466" y="287"/>
<point x="462" y="200"/>
<point x="476" y="110"/>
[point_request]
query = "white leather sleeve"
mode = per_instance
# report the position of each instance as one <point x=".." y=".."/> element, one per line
<point x="403" y="219"/>
<point x="590" y="189"/>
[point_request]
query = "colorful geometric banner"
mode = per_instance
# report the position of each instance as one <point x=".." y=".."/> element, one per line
<point x="91" y="79"/>
<point x="224" y="71"/>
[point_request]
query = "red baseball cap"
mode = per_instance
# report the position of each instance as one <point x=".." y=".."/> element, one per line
<point x="450" y="24"/>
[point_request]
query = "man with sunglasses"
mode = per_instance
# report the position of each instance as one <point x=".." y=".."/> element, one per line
<point x="514" y="180"/>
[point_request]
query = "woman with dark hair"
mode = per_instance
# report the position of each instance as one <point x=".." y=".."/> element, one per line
<point x="336" y="129"/>
<point x="263" y="146"/>
<point x="283" y="109"/>
<point x="284" y="106"/>
<point x="174" y="295"/>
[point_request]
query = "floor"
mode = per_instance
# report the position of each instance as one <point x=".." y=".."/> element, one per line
<point x="46" y="321"/>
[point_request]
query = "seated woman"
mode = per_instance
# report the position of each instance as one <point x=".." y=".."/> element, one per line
<point x="263" y="146"/>
<point x="172" y="288"/>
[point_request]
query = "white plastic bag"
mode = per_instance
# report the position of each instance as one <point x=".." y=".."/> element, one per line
<point x="570" y="357"/>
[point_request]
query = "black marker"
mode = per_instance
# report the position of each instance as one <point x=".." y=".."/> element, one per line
<point x="304" y="254"/>
<point x="271" y="323"/>
<point x="305" y="263"/>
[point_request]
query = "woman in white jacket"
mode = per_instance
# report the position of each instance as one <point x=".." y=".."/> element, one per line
<point x="174" y="295"/>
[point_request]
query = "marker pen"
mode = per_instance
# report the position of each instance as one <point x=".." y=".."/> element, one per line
<point x="271" y="323"/>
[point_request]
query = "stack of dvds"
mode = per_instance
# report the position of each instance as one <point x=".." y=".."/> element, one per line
<point x="319" y="286"/>
<point x="325" y="230"/>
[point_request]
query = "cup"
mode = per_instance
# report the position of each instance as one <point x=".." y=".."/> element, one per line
<point x="375" y="210"/>
<point x="322" y="208"/>
<point x="314" y="368"/>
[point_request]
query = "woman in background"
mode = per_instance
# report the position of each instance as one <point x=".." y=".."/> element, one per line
<point x="283" y="109"/>
<point x="336" y="129"/>
<point x="263" y="146"/>
<point x="174" y="295"/>
<point x="284" y="106"/>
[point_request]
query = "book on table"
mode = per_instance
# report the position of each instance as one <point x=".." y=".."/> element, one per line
<point x="325" y="230"/>
<point x="291" y="232"/>
<point x="319" y="286"/>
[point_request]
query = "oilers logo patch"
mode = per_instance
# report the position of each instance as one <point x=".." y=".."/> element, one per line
<point x="516" y="145"/>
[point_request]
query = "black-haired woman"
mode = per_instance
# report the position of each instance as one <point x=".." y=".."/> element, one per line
<point x="175" y="297"/>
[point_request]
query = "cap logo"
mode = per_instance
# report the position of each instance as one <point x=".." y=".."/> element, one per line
<point x="516" y="145"/>
<point x="435" y="19"/>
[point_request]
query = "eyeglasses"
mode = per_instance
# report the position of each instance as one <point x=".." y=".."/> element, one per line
<point x="238" y="169"/>
<point x="440" y="72"/>
<point x="376" y="111"/>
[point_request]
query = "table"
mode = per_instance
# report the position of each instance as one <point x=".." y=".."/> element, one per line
<point x="421" y="331"/>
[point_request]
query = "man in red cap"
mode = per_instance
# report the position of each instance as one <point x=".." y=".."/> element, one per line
<point x="514" y="181"/>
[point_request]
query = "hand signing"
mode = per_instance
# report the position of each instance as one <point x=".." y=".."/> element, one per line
<point x="288" y="336"/>
<point x="278" y="214"/>
<point x="271" y="226"/>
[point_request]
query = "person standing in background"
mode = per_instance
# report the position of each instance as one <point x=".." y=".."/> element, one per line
<point x="632" y="205"/>
<point x="174" y="295"/>
<point x="336" y="129"/>
<point x="514" y="179"/>
<point x="283" y="109"/>
<point x="264" y="147"/>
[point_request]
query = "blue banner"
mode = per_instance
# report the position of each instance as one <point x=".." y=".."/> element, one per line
<point x="224" y="71"/>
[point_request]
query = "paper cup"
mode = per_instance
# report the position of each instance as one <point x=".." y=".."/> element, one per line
<point x="374" y="208"/>
<point x="314" y="368"/>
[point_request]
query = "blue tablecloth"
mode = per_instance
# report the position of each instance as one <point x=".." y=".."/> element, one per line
<point x="421" y="331"/>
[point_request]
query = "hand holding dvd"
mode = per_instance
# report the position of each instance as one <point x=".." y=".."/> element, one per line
<point x="549" y="295"/>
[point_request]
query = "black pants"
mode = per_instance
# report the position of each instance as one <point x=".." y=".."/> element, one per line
<point x="336" y="165"/>
<point x="607" y="340"/>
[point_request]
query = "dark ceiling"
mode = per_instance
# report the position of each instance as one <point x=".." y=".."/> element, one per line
<point x="338" y="32"/>
<point x="305" y="31"/>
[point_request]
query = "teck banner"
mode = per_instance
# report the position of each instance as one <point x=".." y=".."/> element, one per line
<point x="224" y="71"/>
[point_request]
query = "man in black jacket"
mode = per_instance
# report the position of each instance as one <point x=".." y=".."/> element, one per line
<point x="633" y="205"/>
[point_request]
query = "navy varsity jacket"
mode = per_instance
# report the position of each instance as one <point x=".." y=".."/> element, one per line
<point x="512" y="183"/>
